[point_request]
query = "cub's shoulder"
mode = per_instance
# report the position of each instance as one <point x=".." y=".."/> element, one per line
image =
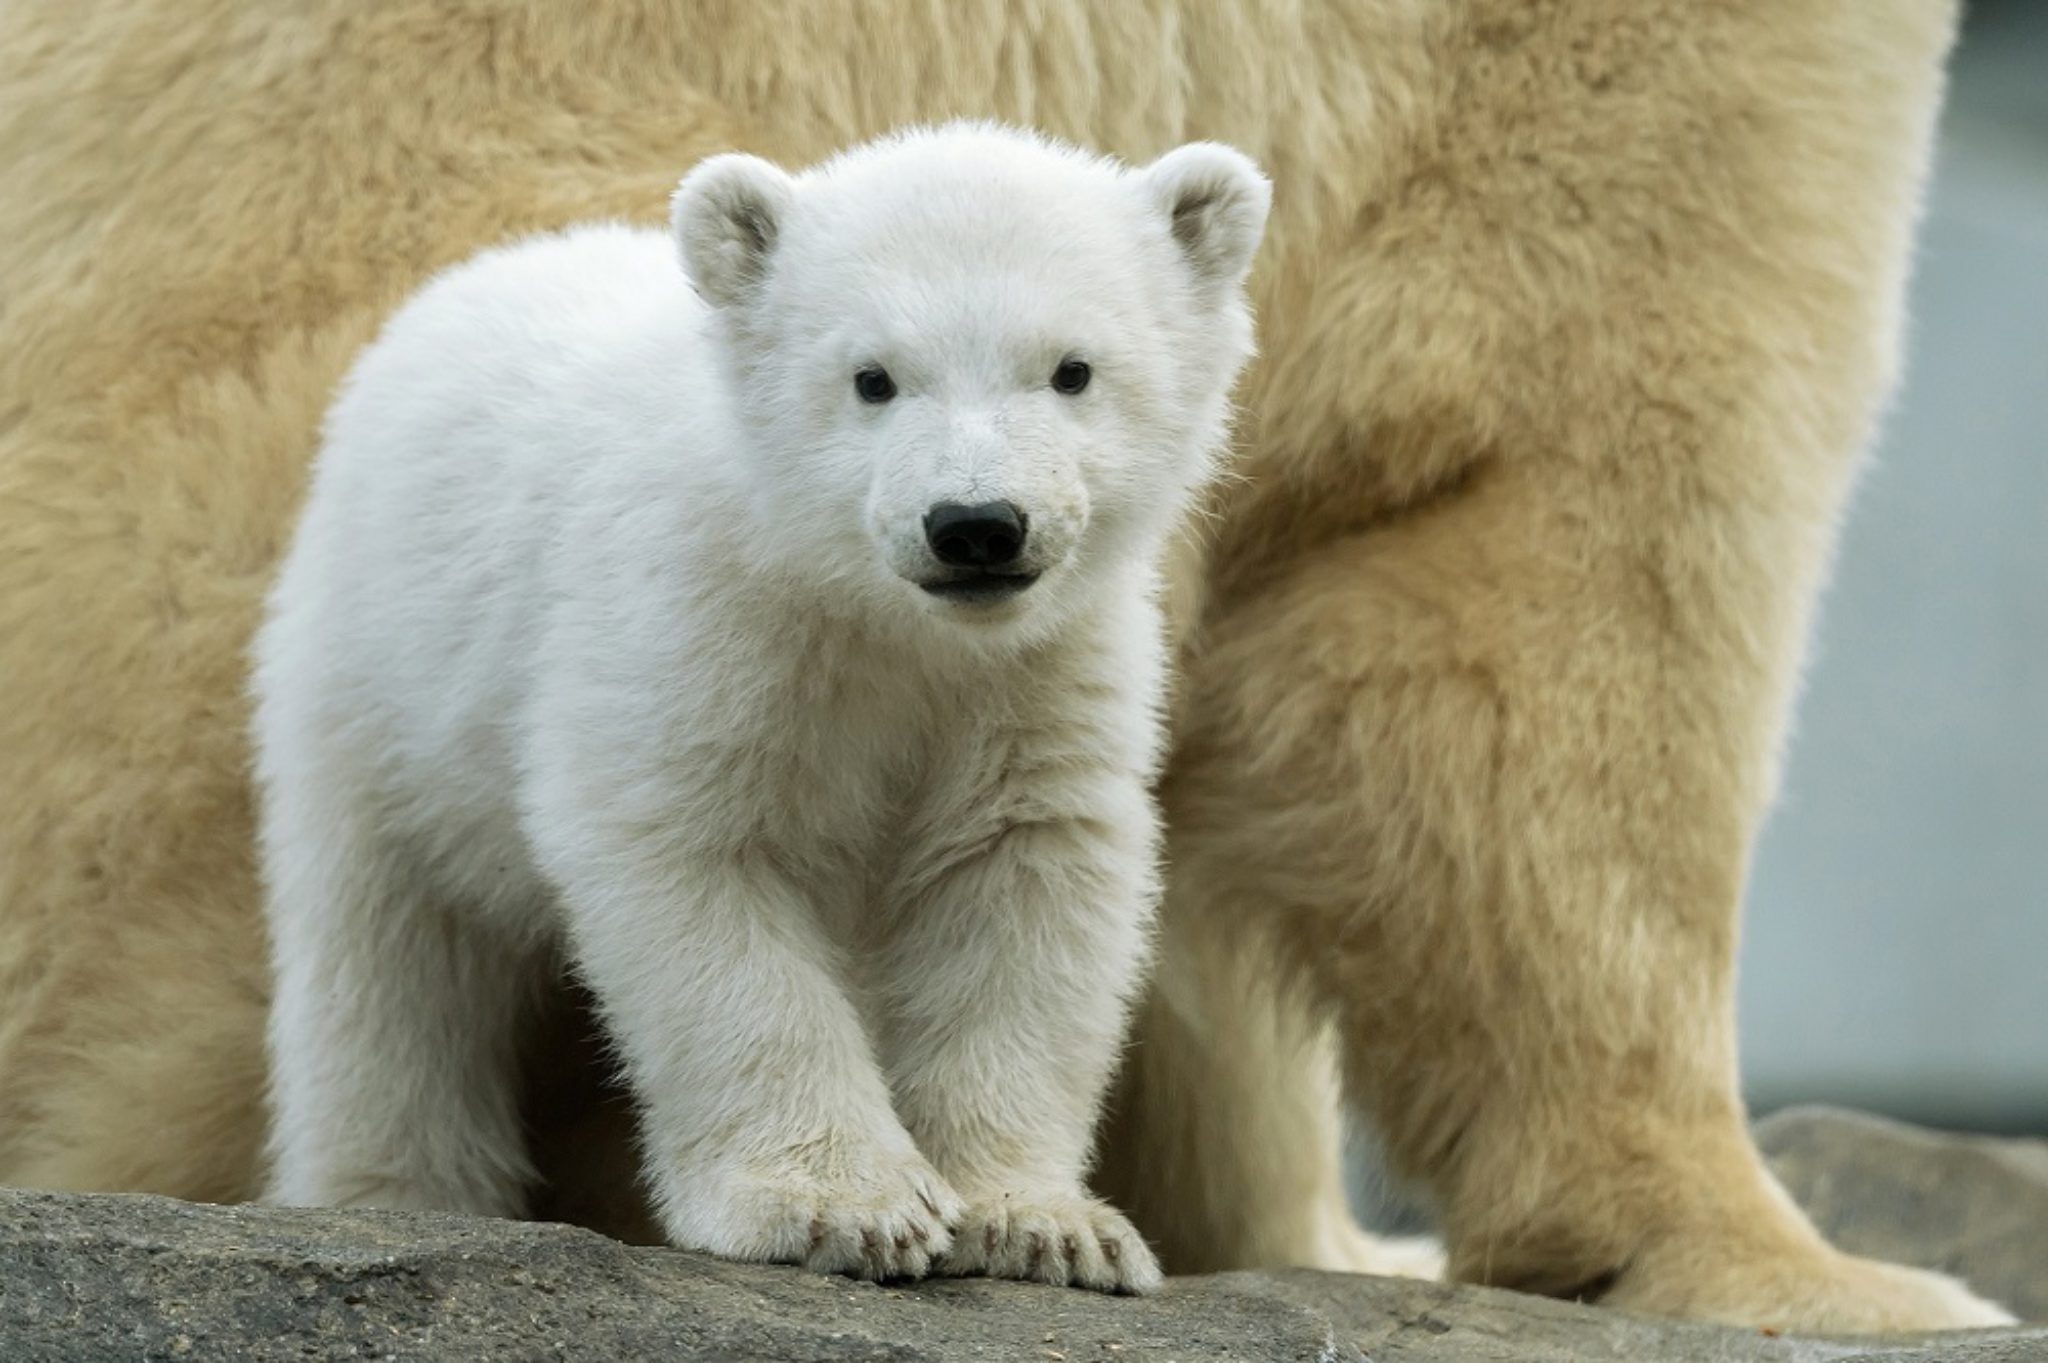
<point x="550" y="287"/>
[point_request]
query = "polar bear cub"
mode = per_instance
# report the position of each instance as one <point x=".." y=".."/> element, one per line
<point x="773" y="638"/>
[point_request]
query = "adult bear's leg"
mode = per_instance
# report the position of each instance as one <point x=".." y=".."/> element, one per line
<point x="1223" y="1141"/>
<point x="1502" y="628"/>
<point x="1487" y="773"/>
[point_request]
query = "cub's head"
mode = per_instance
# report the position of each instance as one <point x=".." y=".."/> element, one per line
<point x="984" y="370"/>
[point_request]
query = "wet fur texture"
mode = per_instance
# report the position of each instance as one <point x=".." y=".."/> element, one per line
<point x="1574" y="323"/>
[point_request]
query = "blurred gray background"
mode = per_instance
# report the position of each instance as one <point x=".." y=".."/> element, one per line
<point x="1895" y="952"/>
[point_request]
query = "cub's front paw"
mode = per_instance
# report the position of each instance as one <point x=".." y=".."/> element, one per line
<point x="880" y="1216"/>
<point x="1068" y="1241"/>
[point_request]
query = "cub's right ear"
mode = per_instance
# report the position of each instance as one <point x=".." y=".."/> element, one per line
<point x="726" y="215"/>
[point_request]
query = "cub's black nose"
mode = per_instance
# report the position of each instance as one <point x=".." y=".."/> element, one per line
<point x="987" y="535"/>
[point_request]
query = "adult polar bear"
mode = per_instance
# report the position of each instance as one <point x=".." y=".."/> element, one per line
<point x="1574" y="321"/>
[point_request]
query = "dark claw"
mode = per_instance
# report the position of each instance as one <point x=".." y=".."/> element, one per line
<point x="817" y="1231"/>
<point x="1110" y="1250"/>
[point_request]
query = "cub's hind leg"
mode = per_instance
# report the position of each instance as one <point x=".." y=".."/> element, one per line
<point x="393" y="1028"/>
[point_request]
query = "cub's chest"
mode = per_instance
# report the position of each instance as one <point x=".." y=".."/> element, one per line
<point x="825" y="750"/>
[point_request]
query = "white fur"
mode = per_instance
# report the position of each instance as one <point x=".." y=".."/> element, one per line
<point x="602" y="637"/>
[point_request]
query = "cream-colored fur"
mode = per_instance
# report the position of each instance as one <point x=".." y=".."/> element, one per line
<point x="1575" y="319"/>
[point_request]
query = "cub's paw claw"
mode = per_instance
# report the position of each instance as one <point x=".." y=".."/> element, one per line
<point x="889" y="1221"/>
<point x="1069" y="1241"/>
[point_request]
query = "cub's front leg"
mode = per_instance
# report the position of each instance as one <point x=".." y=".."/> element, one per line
<point x="767" y="1127"/>
<point x="1023" y="934"/>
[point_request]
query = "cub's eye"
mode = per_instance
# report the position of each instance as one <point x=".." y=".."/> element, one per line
<point x="1072" y="376"/>
<point x="873" y="384"/>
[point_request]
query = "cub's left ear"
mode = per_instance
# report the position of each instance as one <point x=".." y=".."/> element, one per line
<point x="1215" y="199"/>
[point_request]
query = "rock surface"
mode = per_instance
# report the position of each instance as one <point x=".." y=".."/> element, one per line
<point x="135" y="1278"/>
<point x="1973" y="1205"/>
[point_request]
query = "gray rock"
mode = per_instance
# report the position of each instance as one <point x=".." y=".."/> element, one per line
<point x="1971" y="1205"/>
<point x="144" y="1278"/>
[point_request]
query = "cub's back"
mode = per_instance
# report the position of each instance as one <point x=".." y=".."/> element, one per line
<point x="508" y="366"/>
<point x="405" y="618"/>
